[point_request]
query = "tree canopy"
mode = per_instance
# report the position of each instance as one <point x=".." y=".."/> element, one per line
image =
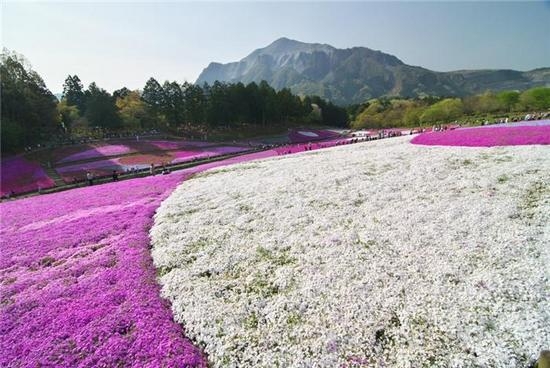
<point x="28" y="108"/>
<point x="398" y="112"/>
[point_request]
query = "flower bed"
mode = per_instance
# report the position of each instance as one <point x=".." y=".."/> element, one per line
<point x="183" y="156"/>
<point x="375" y="254"/>
<point x="487" y="136"/>
<point x="519" y="123"/>
<point x="101" y="150"/>
<point x="97" y="168"/>
<point x="140" y="161"/>
<point x="20" y="175"/>
<point x="309" y="135"/>
<point x="78" y="286"/>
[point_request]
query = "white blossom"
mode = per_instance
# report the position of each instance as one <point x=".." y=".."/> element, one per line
<point x="378" y="254"/>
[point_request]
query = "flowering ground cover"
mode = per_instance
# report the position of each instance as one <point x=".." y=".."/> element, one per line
<point x="308" y="135"/>
<point x="183" y="156"/>
<point x="141" y="161"/>
<point x="108" y="150"/>
<point x="519" y="123"/>
<point x="488" y="136"/>
<point x="302" y="147"/>
<point x="375" y="254"/>
<point x="98" y="168"/>
<point x="77" y="284"/>
<point x="116" y="148"/>
<point x="20" y="175"/>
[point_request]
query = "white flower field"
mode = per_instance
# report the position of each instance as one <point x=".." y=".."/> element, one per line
<point x="378" y="254"/>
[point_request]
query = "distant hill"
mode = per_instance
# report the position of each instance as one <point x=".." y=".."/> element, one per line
<point x="354" y="75"/>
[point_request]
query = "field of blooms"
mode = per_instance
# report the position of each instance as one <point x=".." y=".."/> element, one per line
<point x="382" y="254"/>
<point x="100" y="150"/>
<point x="20" y="175"/>
<point x="308" y="135"/>
<point x="141" y="161"/>
<point x="77" y="283"/>
<point x="515" y="134"/>
<point x="183" y="156"/>
<point x="519" y="123"/>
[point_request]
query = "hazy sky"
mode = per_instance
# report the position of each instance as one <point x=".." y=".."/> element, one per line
<point x="123" y="44"/>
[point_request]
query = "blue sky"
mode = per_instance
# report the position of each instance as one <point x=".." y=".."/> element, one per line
<point x="123" y="44"/>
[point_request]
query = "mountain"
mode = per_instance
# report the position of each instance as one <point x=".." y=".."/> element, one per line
<point x="357" y="74"/>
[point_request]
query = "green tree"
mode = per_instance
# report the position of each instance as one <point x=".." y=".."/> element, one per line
<point x="101" y="110"/>
<point x="173" y="105"/>
<point x="68" y="114"/>
<point x="535" y="99"/>
<point x="133" y="111"/>
<point x="508" y="100"/>
<point x="28" y="113"/>
<point x="73" y="93"/>
<point x="121" y="93"/>
<point x="443" y="111"/>
<point x="218" y="109"/>
<point x="195" y="103"/>
<point x="153" y="94"/>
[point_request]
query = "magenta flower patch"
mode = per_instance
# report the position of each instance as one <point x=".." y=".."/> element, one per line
<point x="487" y="136"/>
<point x="183" y="156"/>
<point x="78" y="285"/>
<point x="98" y="168"/>
<point x="109" y="150"/>
<point x="20" y="175"/>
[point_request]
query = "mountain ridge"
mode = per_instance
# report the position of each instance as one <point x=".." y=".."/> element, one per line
<point x="356" y="74"/>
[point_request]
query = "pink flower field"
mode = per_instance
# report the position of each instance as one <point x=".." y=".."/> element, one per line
<point x="98" y="168"/>
<point x="141" y="161"/>
<point x="100" y="150"/>
<point x="78" y="287"/>
<point x="109" y="150"/>
<point x="489" y="136"/>
<point x="20" y="175"/>
<point x="183" y="156"/>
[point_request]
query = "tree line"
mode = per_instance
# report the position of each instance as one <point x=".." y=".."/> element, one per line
<point x="399" y="112"/>
<point x="31" y="113"/>
<point x="172" y="105"/>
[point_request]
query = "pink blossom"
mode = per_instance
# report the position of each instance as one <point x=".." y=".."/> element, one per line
<point x="77" y="283"/>
<point x="20" y="175"/>
<point x="487" y="136"/>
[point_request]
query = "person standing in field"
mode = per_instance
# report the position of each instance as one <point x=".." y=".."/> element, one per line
<point x="90" y="178"/>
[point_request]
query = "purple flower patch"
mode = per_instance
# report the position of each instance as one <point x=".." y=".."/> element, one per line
<point x="101" y="151"/>
<point x="487" y="136"/>
<point x="78" y="285"/>
<point x="20" y="175"/>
